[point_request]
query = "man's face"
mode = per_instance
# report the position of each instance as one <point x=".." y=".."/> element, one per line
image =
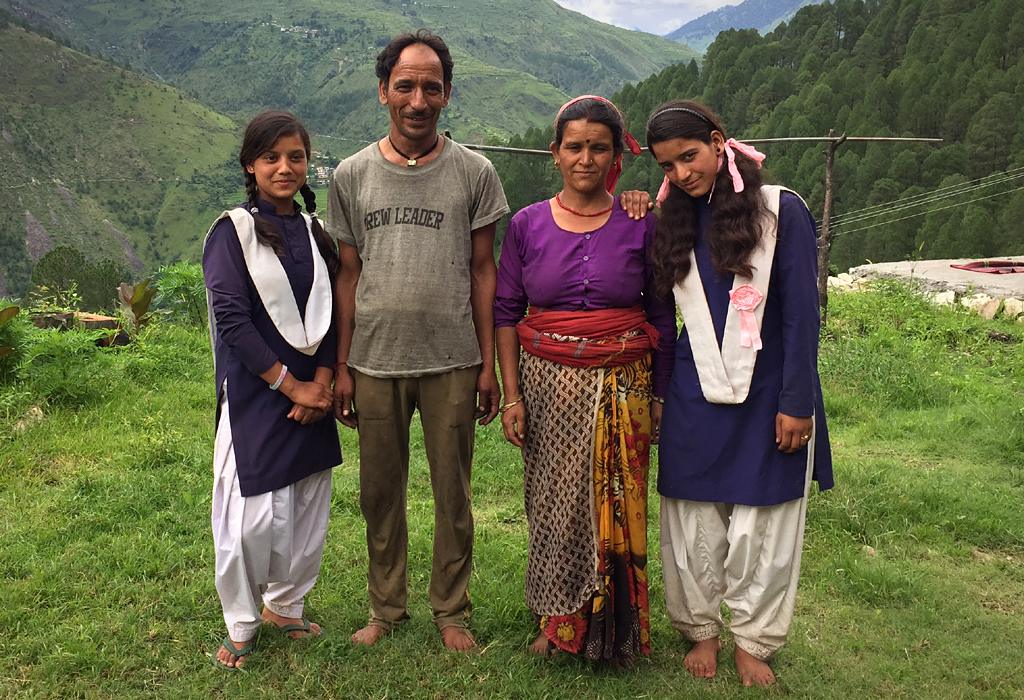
<point x="415" y="94"/>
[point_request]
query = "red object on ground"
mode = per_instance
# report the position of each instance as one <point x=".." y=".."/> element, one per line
<point x="992" y="267"/>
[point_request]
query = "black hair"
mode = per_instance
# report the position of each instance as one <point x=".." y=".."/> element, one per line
<point x="260" y="135"/>
<point x="736" y="218"/>
<point x="388" y="57"/>
<point x="597" y="111"/>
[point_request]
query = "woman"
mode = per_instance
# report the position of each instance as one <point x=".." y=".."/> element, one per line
<point x="744" y="426"/>
<point x="269" y="270"/>
<point x="583" y="405"/>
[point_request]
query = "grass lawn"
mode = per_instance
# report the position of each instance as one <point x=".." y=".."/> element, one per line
<point x="913" y="573"/>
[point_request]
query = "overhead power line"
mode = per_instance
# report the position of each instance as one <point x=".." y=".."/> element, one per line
<point x="929" y="196"/>
<point x="930" y="211"/>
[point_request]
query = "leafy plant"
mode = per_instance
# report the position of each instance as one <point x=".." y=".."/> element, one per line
<point x="181" y="292"/>
<point x="6" y="314"/>
<point x="11" y="334"/>
<point x="54" y="299"/>
<point x="135" y="301"/>
<point x="66" y="367"/>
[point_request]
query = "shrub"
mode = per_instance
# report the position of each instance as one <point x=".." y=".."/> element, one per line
<point x="181" y="292"/>
<point x="12" y="333"/>
<point x="67" y="368"/>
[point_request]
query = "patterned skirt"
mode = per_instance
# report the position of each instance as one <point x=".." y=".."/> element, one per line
<point x="586" y="454"/>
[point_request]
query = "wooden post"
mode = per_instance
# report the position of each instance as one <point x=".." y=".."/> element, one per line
<point x="825" y="238"/>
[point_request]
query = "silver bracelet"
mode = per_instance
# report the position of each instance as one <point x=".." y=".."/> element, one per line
<point x="280" y="378"/>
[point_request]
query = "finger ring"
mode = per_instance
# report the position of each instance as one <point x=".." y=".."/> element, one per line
<point x="520" y="436"/>
<point x="805" y="437"/>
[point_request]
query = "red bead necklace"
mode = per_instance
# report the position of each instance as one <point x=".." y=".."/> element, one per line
<point x="558" y="201"/>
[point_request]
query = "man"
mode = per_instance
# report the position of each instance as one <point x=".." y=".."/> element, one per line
<point x="415" y="214"/>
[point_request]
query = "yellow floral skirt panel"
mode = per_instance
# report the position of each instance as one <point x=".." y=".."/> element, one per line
<point x="586" y="457"/>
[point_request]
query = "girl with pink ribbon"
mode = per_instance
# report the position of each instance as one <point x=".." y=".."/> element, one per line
<point x="743" y="427"/>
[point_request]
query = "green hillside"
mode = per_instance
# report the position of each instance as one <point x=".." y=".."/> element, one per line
<point x="113" y="164"/>
<point x="883" y="68"/>
<point x="516" y="60"/>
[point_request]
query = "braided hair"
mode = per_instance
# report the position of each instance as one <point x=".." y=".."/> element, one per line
<point x="260" y="135"/>
<point x="736" y="218"/>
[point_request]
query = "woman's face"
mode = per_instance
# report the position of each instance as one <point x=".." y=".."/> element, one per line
<point x="585" y="155"/>
<point x="280" y="171"/>
<point x="690" y="164"/>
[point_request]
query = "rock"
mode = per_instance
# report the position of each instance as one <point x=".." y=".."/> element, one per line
<point x="976" y="302"/>
<point x="989" y="309"/>
<point x="947" y="298"/>
<point x="1012" y="307"/>
<point x="845" y="277"/>
<point x="838" y="283"/>
<point x="31" y="417"/>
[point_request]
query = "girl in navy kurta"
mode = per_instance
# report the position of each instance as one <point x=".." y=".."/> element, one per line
<point x="269" y="270"/>
<point x="743" y="431"/>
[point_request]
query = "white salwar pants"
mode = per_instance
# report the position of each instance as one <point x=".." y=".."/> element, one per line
<point x="747" y="557"/>
<point x="268" y="546"/>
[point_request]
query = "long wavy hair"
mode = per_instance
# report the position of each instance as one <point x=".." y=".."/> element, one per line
<point x="736" y="218"/>
<point x="260" y="135"/>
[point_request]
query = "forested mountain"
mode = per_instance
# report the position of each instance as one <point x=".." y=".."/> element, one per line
<point x="515" y="60"/>
<point x="118" y="166"/>
<point x="954" y="70"/>
<point x="762" y="15"/>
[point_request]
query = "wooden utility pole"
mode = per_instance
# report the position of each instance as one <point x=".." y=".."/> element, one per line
<point x="825" y="238"/>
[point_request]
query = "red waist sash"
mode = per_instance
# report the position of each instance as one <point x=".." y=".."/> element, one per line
<point x="602" y="338"/>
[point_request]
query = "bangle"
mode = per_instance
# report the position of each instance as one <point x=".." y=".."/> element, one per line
<point x="509" y="405"/>
<point x="658" y="399"/>
<point x="280" y="378"/>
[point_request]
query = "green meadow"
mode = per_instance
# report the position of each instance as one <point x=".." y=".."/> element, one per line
<point x="913" y="571"/>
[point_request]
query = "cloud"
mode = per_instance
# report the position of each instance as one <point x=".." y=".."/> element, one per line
<point x="654" y="16"/>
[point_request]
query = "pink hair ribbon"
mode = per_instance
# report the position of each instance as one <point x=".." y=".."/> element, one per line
<point x="745" y="299"/>
<point x="631" y="143"/>
<point x="731" y="146"/>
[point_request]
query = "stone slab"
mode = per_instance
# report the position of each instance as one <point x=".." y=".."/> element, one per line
<point x="937" y="275"/>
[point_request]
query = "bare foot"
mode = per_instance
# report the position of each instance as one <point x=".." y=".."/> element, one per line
<point x="542" y="647"/>
<point x="230" y="658"/>
<point x="702" y="659"/>
<point x="369" y="635"/>
<point x="457" y="638"/>
<point x="271" y="617"/>
<point x="753" y="671"/>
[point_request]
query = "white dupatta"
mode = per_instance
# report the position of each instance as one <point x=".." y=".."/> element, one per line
<point x="271" y="281"/>
<point x="725" y="373"/>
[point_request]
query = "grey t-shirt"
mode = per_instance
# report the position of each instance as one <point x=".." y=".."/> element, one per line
<point x="412" y="228"/>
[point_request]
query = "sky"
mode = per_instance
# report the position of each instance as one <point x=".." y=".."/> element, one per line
<point x="654" y="16"/>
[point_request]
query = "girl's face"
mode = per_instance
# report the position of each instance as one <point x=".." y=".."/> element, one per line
<point x="585" y="155"/>
<point x="280" y="171"/>
<point x="690" y="164"/>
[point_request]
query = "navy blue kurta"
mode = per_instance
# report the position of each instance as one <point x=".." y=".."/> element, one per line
<point x="727" y="452"/>
<point x="271" y="451"/>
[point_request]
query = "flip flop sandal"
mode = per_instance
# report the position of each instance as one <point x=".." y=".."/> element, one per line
<point x="304" y="626"/>
<point x="237" y="652"/>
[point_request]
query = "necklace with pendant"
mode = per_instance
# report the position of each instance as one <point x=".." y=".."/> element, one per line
<point x="410" y="160"/>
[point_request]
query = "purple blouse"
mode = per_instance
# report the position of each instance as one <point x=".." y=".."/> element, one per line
<point x="546" y="266"/>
